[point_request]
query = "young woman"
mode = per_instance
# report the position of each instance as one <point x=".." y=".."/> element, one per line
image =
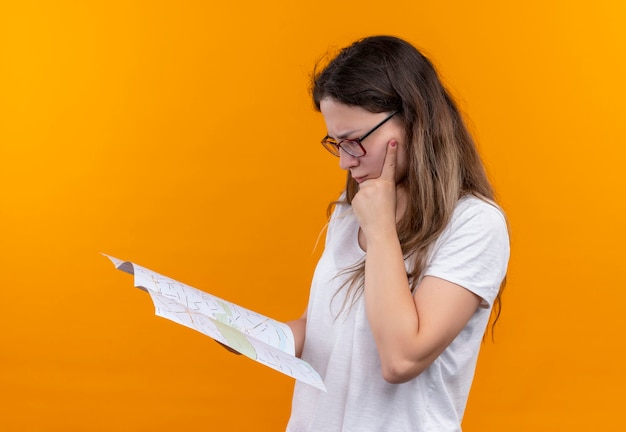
<point x="416" y="251"/>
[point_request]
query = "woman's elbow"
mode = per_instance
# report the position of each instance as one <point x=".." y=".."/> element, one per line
<point x="402" y="371"/>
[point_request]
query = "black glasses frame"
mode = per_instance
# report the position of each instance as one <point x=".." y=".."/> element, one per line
<point x="333" y="146"/>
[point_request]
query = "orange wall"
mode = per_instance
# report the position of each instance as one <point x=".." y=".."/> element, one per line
<point x="180" y="135"/>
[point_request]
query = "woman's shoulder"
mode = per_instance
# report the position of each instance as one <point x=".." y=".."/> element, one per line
<point x="473" y="207"/>
<point x="473" y="250"/>
<point x="340" y="206"/>
<point x="476" y="217"/>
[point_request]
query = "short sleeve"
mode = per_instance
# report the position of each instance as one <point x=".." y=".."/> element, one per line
<point x="473" y="250"/>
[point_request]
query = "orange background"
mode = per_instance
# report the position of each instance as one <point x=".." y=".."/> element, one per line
<point x="180" y="135"/>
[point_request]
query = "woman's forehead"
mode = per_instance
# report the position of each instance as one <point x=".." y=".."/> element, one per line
<point x="344" y="121"/>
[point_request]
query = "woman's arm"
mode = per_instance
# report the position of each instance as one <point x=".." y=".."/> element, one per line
<point x="410" y="331"/>
<point x="298" y="327"/>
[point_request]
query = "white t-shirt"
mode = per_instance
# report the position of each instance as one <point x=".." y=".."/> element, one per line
<point x="473" y="252"/>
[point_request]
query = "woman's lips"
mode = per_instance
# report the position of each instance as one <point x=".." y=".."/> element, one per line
<point x="359" y="179"/>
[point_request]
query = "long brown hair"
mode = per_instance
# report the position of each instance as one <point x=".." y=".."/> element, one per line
<point x="385" y="74"/>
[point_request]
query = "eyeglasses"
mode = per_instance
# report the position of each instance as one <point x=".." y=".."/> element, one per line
<point x="351" y="146"/>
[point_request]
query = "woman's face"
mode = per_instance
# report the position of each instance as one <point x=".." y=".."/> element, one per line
<point x="348" y="122"/>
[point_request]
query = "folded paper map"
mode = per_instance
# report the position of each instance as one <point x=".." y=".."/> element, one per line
<point x="258" y="337"/>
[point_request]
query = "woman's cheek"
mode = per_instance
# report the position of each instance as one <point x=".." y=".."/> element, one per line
<point x="379" y="162"/>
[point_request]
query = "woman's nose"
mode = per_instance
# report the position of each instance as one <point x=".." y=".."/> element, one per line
<point x="347" y="161"/>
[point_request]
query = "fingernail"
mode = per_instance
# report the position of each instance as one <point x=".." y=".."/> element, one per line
<point x="393" y="143"/>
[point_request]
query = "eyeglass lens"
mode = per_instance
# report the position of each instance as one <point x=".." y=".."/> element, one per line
<point x="351" y="147"/>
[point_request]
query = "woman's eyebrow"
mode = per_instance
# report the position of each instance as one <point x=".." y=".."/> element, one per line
<point x="344" y="135"/>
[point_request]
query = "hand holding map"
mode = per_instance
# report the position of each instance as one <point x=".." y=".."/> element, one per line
<point x="258" y="337"/>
